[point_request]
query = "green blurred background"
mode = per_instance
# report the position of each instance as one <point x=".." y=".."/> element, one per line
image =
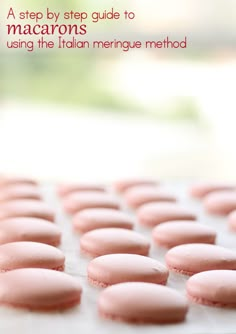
<point x="169" y="105"/>
<point x="84" y="77"/>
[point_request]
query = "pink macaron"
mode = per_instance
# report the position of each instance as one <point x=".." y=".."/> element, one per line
<point x="139" y="195"/>
<point x="6" y="180"/>
<point x="124" y="184"/>
<point x="78" y="201"/>
<point x="20" y="191"/>
<point x="26" y="208"/>
<point x="118" y="268"/>
<point x="68" y="188"/>
<point x="26" y="254"/>
<point x="213" y="288"/>
<point x="220" y="202"/>
<point x="136" y="302"/>
<point x="39" y="290"/>
<point x="190" y="259"/>
<point x="169" y="235"/>
<point x="201" y="189"/>
<point x="152" y="214"/>
<point x="113" y="240"/>
<point x="91" y="219"/>
<point x="232" y="221"/>
<point x="29" y="229"/>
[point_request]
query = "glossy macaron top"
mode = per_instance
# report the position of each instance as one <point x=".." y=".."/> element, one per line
<point x="20" y="191"/>
<point x="68" y="188"/>
<point x="232" y="221"/>
<point x="139" y="195"/>
<point x="201" y="189"/>
<point x="142" y="303"/>
<point x="26" y="254"/>
<point x="190" y="259"/>
<point x="29" y="229"/>
<point x="213" y="288"/>
<point x="39" y="289"/>
<point x="26" y="208"/>
<point x="171" y="234"/>
<point x="124" y="184"/>
<point x="117" y="268"/>
<point x="91" y="219"/>
<point x="113" y="240"/>
<point x="220" y="202"/>
<point x="78" y="201"/>
<point x="152" y="214"/>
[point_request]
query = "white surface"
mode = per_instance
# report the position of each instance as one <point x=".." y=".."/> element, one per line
<point x="61" y="143"/>
<point x="84" y="319"/>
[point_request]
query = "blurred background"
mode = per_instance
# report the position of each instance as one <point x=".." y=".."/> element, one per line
<point x="101" y="114"/>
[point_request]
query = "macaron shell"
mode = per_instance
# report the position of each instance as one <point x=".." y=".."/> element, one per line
<point x="91" y="219"/>
<point x="142" y="303"/>
<point x="15" y="192"/>
<point x="172" y="234"/>
<point x="117" y="268"/>
<point x="29" y="229"/>
<point x="152" y="214"/>
<point x="39" y="289"/>
<point x="190" y="259"/>
<point x="13" y="180"/>
<point x="213" y="288"/>
<point x="76" y="202"/>
<point x="113" y="240"/>
<point x="26" y="208"/>
<point x="17" y="255"/>
<point x="220" y="203"/>
<point x="232" y="221"/>
<point x="122" y="185"/>
<point x="139" y="195"/>
<point x="201" y="189"/>
<point x="67" y="188"/>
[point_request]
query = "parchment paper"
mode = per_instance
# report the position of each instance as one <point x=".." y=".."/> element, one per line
<point x="84" y="319"/>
